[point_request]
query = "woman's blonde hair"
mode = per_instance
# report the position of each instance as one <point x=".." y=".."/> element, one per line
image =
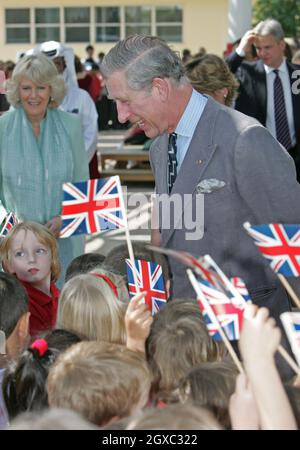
<point x="41" y="71"/>
<point x="87" y="306"/>
<point x="209" y="73"/>
<point x="44" y="236"/>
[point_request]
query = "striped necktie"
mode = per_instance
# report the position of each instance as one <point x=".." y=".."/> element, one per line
<point x="281" y="121"/>
<point x="172" y="161"/>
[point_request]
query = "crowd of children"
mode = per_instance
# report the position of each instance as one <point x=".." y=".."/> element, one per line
<point x="89" y="357"/>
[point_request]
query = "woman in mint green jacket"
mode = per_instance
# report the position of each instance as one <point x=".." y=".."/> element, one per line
<point x="41" y="147"/>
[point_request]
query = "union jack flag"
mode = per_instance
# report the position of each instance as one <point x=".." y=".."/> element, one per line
<point x="92" y="206"/>
<point x="206" y="268"/>
<point x="150" y="278"/>
<point x="240" y="286"/>
<point x="291" y="324"/>
<point x="280" y="244"/>
<point x="229" y="316"/>
<point x="9" y="222"/>
<point x="189" y="260"/>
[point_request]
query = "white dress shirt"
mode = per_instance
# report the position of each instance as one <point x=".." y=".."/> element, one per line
<point x="287" y="89"/>
<point x="186" y="126"/>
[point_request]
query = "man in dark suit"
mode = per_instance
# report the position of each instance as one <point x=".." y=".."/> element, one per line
<point x="257" y="97"/>
<point x="227" y="169"/>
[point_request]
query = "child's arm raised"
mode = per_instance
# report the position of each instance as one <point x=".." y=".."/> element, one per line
<point x="258" y="343"/>
<point x="138" y="320"/>
<point x="242" y="406"/>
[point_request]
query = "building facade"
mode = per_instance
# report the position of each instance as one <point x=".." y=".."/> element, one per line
<point x="185" y="24"/>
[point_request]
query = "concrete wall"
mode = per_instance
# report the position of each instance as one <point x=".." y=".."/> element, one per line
<point x="205" y="23"/>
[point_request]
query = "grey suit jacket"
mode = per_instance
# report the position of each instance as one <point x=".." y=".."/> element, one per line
<point x="259" y="186"/>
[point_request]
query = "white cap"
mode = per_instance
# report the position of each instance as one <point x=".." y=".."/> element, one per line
<point x="53" y="49"/>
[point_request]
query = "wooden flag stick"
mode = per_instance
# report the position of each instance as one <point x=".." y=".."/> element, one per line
<point x="128" y="240"/>
<point x="289" y="289"/>
<point x="289" y="359"/>
<point x="131" y="257"/>
<point x="215" y="320"/>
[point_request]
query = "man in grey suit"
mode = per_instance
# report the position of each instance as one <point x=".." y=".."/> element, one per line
<point x="225" y="158"/>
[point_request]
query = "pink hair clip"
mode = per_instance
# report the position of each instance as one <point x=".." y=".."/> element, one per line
<point x="41" y="346"/>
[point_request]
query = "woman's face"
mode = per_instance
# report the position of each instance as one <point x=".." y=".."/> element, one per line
<point x="34" y="98"/>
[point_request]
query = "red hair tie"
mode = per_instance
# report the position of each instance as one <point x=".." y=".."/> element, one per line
<point x="110" y="283"/>
<point x="41" y="346"/>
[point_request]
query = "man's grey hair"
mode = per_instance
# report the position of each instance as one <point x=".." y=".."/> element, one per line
<point x="143" y="58"/>
<point x="270" y="26"/>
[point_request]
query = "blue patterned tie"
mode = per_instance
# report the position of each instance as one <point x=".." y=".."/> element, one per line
<point x="281" y="122"/>
<point x="172" y="160"/>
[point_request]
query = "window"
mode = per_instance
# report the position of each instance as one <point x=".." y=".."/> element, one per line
<point x="77" y="24"/>
<point x="86" y="24"/>
<point x="169" y="23"/>
<point x="137" y="20"/>
<point x="17" y="26"/>
<point x="107" y="24"/>
<point x="47" y="24"/>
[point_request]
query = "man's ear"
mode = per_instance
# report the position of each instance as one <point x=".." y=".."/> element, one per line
<point x="161" y="88"/>
<point x="282" y="44"/>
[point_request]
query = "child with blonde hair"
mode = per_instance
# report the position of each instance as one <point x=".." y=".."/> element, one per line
<point x="30" y="253"/>
<point x="89" y="307"/>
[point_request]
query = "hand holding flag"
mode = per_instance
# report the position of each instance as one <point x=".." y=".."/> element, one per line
<point x="150" y="280"/>
<point x="138" y="320"/>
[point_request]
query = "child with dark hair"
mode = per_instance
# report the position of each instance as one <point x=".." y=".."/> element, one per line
<point x="30" y="252"/>
<point x="84" y="264"/>
<point x="14" y="327"/>
<point x="24" y="382"/>
<point x="115" y="260"/>
<point x="210" y="385"/>
<point x="92" y="263"/>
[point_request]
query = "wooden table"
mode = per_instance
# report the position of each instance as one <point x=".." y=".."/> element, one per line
<point x="125" y="153"/>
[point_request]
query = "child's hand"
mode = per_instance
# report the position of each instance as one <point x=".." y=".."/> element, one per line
<point x="138" y="320"/>
<point x="260" y="337"/>
<point x="54" y="225"/>
<point x="242" y="406"/>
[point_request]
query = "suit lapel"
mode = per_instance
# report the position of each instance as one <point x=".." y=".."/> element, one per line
<point x="260" y="90"/>
<point x="159" y="153"/>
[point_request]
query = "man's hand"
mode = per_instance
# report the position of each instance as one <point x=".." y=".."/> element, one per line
<point x="54" y="225"/>
<point x="247" y="40"/>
